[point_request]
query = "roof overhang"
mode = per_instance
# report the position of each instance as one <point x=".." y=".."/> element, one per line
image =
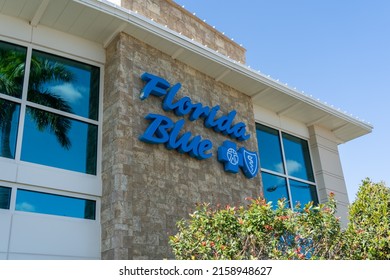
<point x="100" y="21"/>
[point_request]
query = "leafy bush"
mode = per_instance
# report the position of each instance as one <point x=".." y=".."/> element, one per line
<point x="368" y="232"/>
<point x="257" y="231"/>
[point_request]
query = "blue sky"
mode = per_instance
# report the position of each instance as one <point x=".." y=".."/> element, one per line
<point x="337" y="51"/>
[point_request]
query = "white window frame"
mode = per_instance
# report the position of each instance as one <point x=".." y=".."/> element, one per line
<point x="27" y="173"/>
<point x="286" y="176"/>
<point x="15" y="187"/>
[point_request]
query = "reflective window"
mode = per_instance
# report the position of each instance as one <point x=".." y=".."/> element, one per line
<point x="275" y="188"/>
<point x="5" y="197"/>
<point x="297" y="157"/>
<point x="64" y="84"/>
<point x="302" y="193"/>
<point x="9" y="121"/>
<point x="286" y="167"/>
<point x="57" y="141"/>
<point x="12" y="64"/>
<point x="59" y="110"/>
<point x="269" y="148"/>
<point x="44" y="203"/>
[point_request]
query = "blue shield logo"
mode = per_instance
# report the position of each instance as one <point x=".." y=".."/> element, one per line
<point x="250" y="164"/>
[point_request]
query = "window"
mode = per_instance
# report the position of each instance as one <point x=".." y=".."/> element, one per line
<point x="12" y="68"/>
<point x="55" y="109"/>
<point x="286" y="167"/>
<point x="9" y="121"/>
<point x="5" y="197"/>
<point x="45" y="203"/>
<point x="70" y="152"/>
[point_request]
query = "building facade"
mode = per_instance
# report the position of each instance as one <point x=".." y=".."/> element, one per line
<point x="118" y="117"/>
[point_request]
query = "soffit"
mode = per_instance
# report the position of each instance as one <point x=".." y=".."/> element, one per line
<point x="101" y="21"/>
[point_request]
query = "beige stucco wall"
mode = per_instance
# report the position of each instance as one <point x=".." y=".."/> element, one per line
<point x="147" y="188"/>
<point x="328" y="169"/>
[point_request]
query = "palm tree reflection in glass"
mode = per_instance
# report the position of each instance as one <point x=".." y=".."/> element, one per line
<point x="42" y="70"/>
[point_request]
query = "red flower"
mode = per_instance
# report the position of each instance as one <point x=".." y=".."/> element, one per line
<point x="268" y="227"/>
<point x="283" y="218"/>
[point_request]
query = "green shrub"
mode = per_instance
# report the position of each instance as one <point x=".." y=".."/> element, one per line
<point x="368" y="232"/>
<point x="257" y="231"/>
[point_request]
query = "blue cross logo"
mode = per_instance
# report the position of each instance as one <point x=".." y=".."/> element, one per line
<point x="228" y="154"/>
<point x="234" y="159"/>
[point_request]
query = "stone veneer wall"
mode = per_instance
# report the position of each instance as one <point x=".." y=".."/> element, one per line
<point x="147" y="188"/>
<point x="179" y="19"/>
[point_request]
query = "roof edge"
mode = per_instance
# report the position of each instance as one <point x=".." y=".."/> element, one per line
<point x="241" y="69"/>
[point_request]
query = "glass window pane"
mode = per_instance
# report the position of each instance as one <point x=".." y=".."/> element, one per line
<point x="64" y="84"/>
<point x="12" y="63"/>
<point x="297" y="157"/>
<point x="38" y="202"/>
<point x="303" y="193"/>
<point x="269" y="148"/>
<point x="275" y="188"/>
<point x="9" y="121"/>
<point x="57" y="141"/>
<point x="5" y="197"/>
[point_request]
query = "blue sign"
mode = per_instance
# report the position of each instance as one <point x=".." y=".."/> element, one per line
<point x="234" y="159"/>
<point x="162" y="130"/>
<point x="250" y="165"/>
<point x="159" y="87"/>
